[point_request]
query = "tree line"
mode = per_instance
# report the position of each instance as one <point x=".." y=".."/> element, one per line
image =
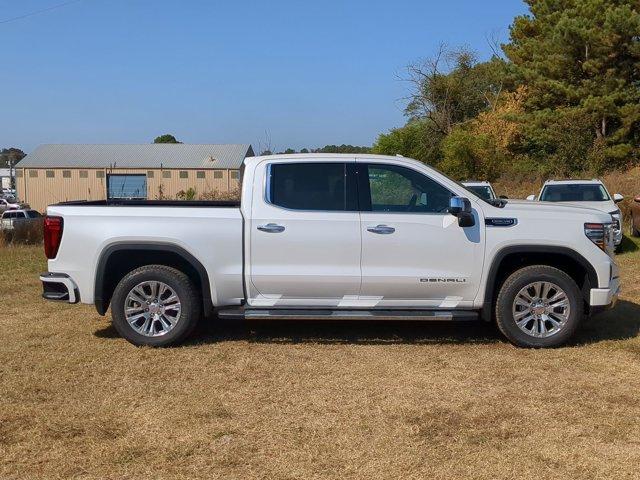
<point x="561" y="97"/>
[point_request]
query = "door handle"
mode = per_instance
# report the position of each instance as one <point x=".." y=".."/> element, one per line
<point x="381" y="229"/>
<point x="271" y="228"/>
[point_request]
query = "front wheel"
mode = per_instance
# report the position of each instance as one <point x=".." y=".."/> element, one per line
<point x="539" y="306"/>
<point x="155" y="305"/>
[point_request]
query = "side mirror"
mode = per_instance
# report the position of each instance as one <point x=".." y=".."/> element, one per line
<point x="504" y="197"/>
<point x="461" y="207"/>
<point x="531" y="198"/>
<point x="617" y="197"/>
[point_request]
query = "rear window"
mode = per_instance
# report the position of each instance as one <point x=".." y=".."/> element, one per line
<point x="575" y="192"/>
<point x="33" y="214"/>
<point x="310" y="186"/>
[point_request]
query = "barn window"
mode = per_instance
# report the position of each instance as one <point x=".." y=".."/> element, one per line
<point x="99" y="173"/>
<point x="235" y="174"/>
<point x="166" y="174"/>
<point x="149" y="173"/>
<point x="184" y="174"/>
<point x="217" y="174"/>
<point x="127" y="186"/>
<point x="200" y="174"/>
<point x="33" y="173"/>
<point x="66" y="174"/>
<point x="50" y="174"/>
<point x="19" y="173"/>
<point x="84" y="174"/>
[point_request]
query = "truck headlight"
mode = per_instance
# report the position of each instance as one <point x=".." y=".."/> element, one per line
<point x="601" y="234"/>
<point x="616" y="215"/>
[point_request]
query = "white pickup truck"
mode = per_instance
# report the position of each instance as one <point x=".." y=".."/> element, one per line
<point x="336" y="237"/>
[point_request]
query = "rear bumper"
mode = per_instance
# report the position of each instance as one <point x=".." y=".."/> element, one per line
<point x="605" y="297"/>
<point x="59" y="287"/>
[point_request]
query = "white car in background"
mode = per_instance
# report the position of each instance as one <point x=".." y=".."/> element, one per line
<point x="584" y="193"/>
<point x="483" y="190"/>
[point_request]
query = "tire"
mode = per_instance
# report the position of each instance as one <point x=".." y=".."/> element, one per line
<point x="162" y="320"/>
<point x="527" y="282"/>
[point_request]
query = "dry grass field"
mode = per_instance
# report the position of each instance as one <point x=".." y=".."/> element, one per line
<point x="311" y="400"/>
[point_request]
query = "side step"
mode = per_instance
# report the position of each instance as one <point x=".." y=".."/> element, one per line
<point x="240" y="313"/>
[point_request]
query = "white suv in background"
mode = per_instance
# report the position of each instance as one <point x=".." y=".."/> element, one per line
<point x="585" y="193"/>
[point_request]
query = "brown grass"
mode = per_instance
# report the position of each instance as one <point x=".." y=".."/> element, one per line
<point x="301" y="400"/>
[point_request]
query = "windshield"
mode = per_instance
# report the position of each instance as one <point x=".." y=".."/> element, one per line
<point x="575" y="192"/>
<point x="483" y="191"/>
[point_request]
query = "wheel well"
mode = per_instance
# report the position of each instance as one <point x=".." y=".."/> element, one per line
<point x="572" y="264"/>
<point x="117" y="262"/>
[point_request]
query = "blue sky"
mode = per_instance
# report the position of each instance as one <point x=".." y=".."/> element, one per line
<point x="302" y="74"/>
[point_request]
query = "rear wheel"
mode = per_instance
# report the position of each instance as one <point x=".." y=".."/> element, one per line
<point x="155" y="305"/>
<point x="539" y="306"/>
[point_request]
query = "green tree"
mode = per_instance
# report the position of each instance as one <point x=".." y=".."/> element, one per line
<point x="10" y="156"/>
<point x="341" y="149"/>
<point x="452" y="88"/>
<point x="468" y="155"/>
<point x="166" y="138"/>
<point x="418" y="139"/>
<point x="580" y="60"/>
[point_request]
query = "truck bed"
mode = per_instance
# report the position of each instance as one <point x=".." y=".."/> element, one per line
<point x="208" y="231"/>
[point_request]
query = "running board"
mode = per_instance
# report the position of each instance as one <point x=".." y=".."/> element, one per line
<point x="240" y="313"/>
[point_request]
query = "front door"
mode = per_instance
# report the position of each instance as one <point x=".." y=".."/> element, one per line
<point x="304" y="235"/>
<point x="414" y="254"/>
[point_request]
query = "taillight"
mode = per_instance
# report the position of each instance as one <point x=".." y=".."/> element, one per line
<point x="52" y="236"/>
<point x="599" y="233"/>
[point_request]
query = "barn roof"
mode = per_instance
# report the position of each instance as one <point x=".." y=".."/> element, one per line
<point x="153" y="155"/>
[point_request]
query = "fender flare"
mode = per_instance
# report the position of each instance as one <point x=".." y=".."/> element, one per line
<point x="490" y="289"/>
<point x="102" y="304"/>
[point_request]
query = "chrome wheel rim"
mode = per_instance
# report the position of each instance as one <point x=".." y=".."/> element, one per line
<point x="541" y="309"/>
<point x="152" y="308"/>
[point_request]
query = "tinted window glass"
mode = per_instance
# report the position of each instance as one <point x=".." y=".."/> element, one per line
<point x="33" y="214"/>
<point x="311" y="186"/>
<point x="391" y="188"/>
<point x="574" y="192"/>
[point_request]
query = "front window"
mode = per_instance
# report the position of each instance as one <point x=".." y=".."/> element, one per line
<point x="483" y="191"/>
<point x="310" y="186"/>
<point x="575" y="192"/>
<point x="392" y="188"/>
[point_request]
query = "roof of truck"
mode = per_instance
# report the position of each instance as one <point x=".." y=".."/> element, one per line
<point x="152" y="155"/>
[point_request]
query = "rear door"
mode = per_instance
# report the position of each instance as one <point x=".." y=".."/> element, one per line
<point x="304" y="234"/>
<point x="414" y="253"/>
